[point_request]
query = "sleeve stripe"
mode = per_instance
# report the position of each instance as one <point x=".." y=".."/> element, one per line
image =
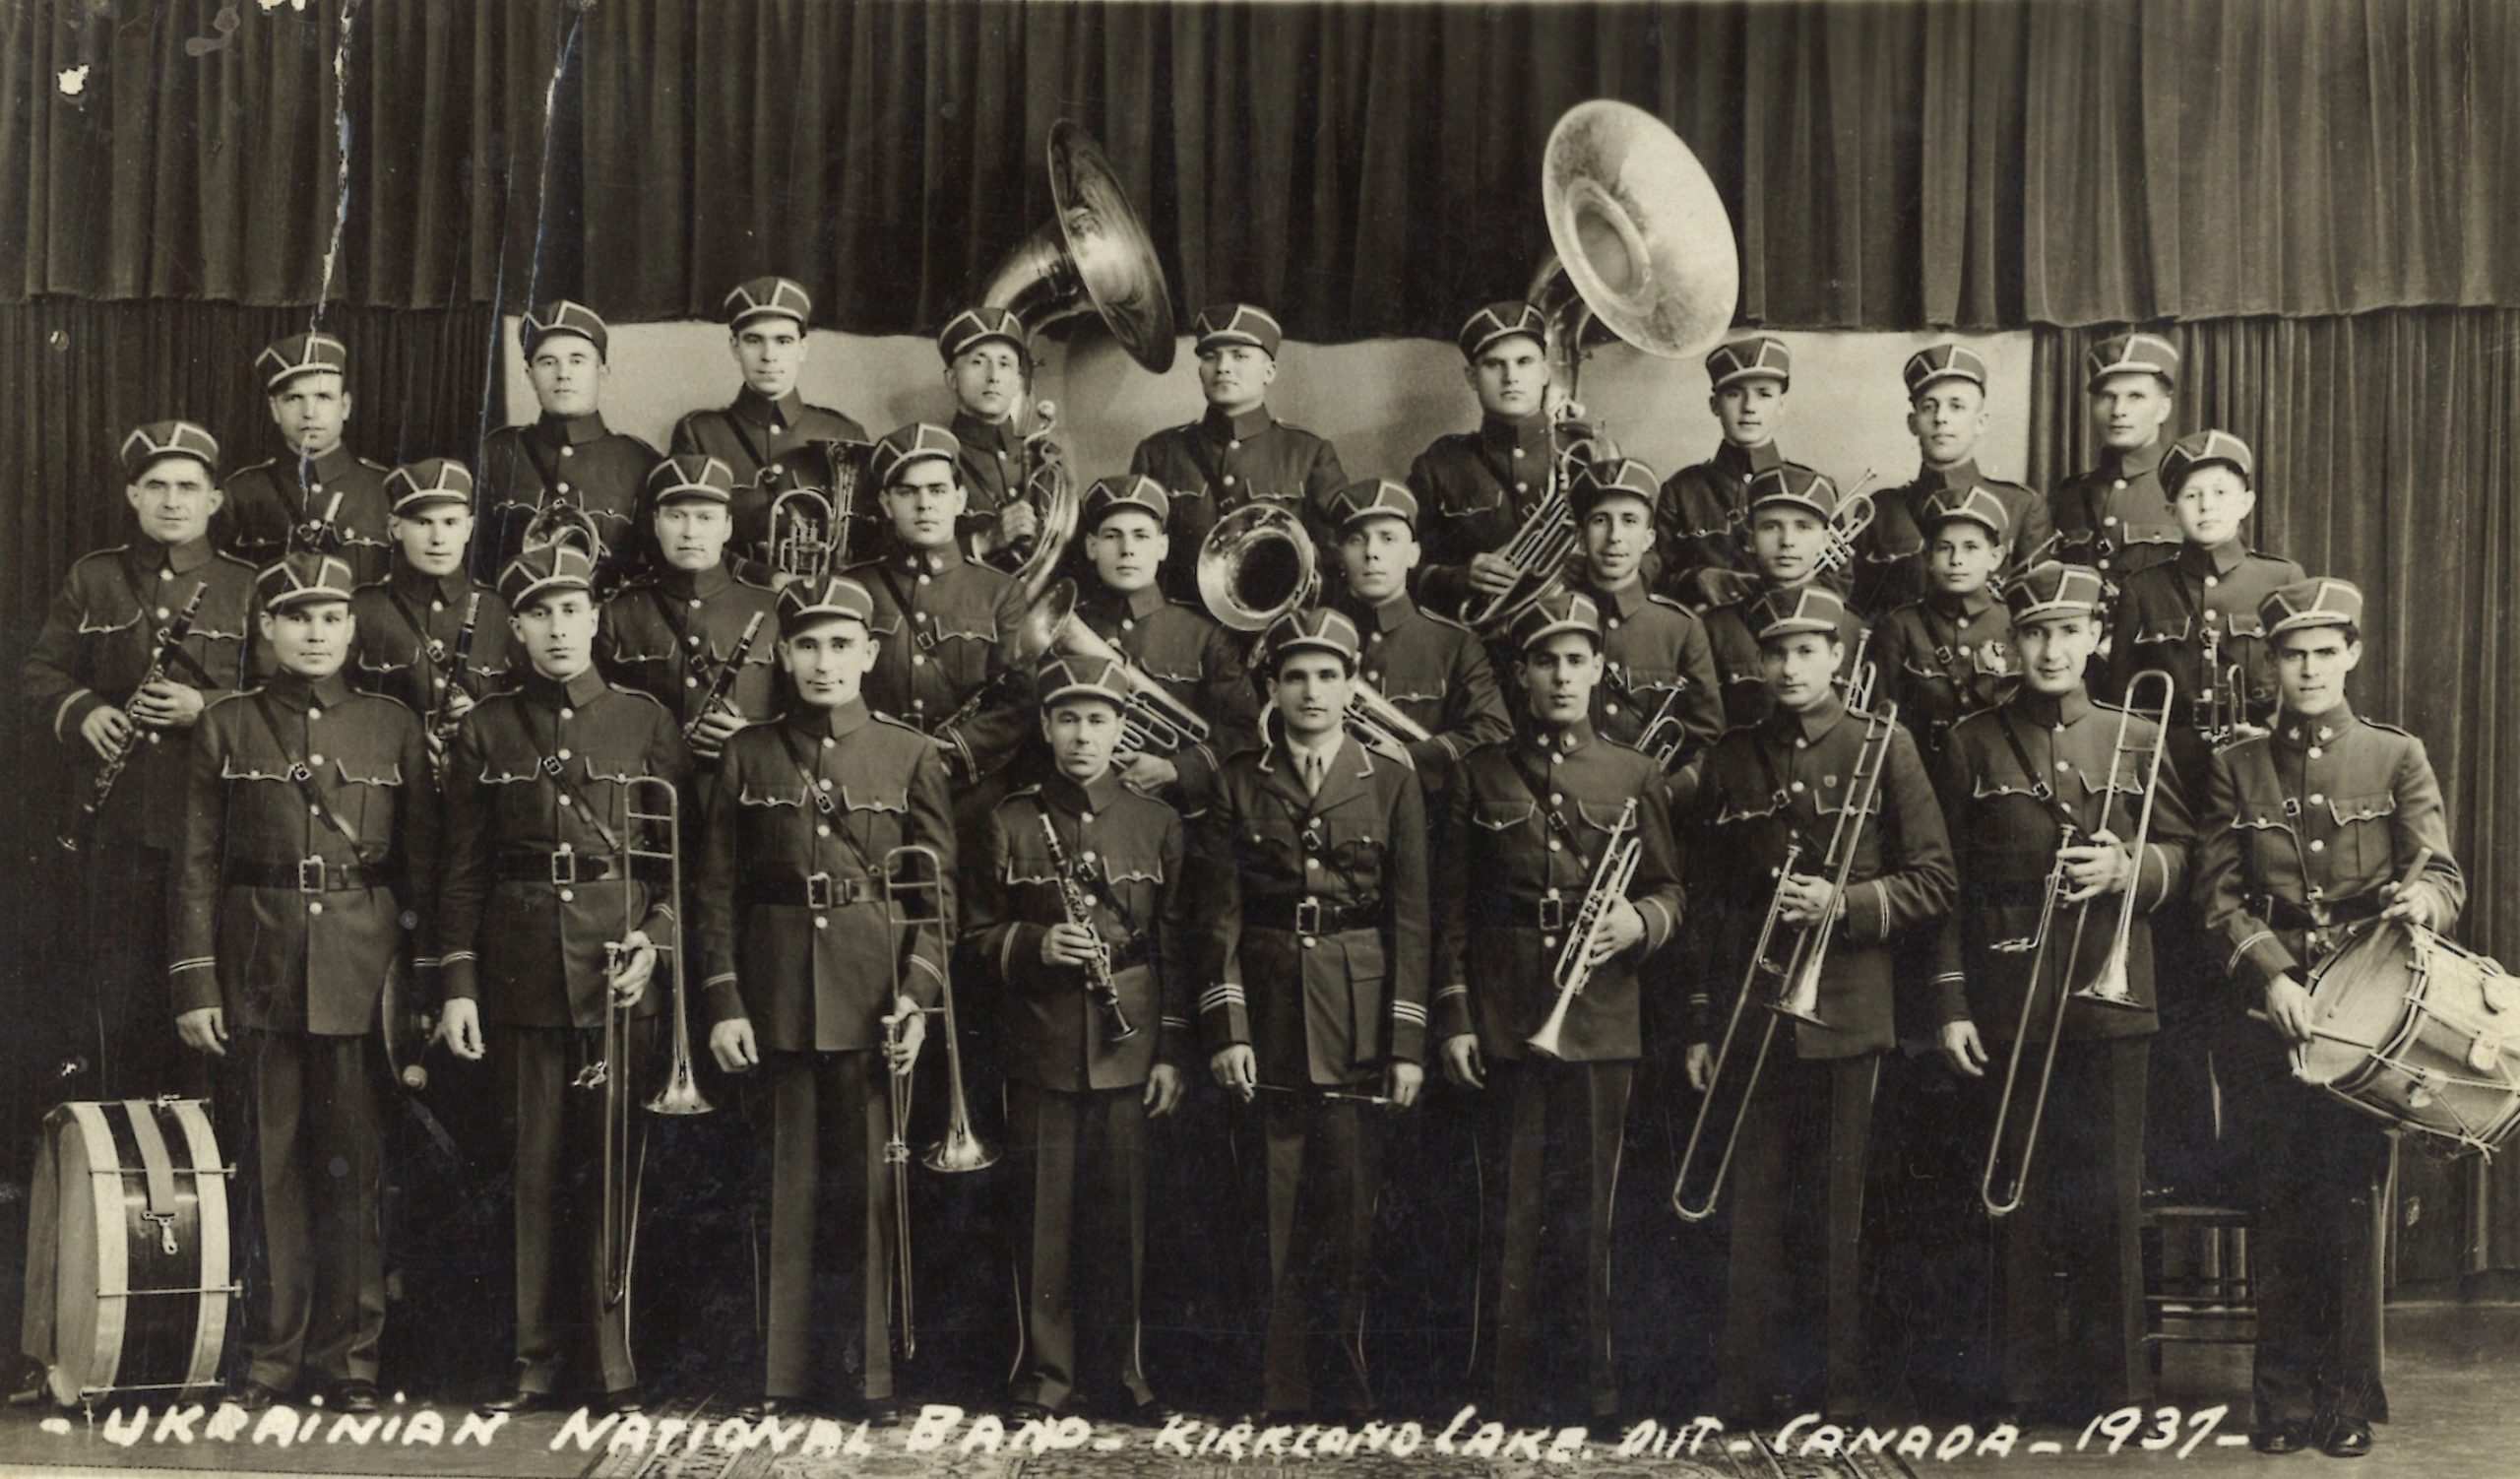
<point x="1408" y="1011"/>
<point x="61" y="710"/>
<point x="1457" y="988"/>
<point x="724" y="978"/>
<point x="198" y="962"/>
<point x="2232" y="966"/>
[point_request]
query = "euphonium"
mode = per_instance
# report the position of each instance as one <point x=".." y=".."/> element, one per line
<point x="1611" y="877"/>
<point x="1154" y="720"/>
<point x="804" y="536"/>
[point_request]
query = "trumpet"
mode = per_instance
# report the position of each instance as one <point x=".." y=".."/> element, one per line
<point x="1845" y="529"/>
<point x="2002" y="1194"/>
<point x="2219" y="709"/>
<point x="1611" y="877"/>
<point x="1665" y="734"/>
<point x="1080" y="912"/>
<point x="1797" y="994"/>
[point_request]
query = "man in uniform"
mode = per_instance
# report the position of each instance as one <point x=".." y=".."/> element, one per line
<point x="1311" y="887"/>
<point x="988" y="366"/>
<point x="1773" y="791"/>
<point x="567" y="458"/>
<point x="289" y="501"/>
<point x="2308" y="828"/>
<point x="1790" y="513"/>
<point x="769" y="424"/>
<point x="427" y="635"/>
<point x="1237" y="452"/>
<point x="1431" y="668"/>
<point x="1523" y="839"/>
<point x="1947" y="413"/>
<point x="1656" y="660"/>
<point x="82" y="681"/>
<point x="544" y="926"/>
<point x="1947" y="654"/>
<point x="310" y="834"/>
<point x="1702" y="518"/>
<point x="804" y="967"/>
<point x="1076" y="918"/>
<point x="2039" y="795"/>
<point x="1476" y="488"/>
<point x="672" y="633"/>
<point x="2115" y="517"/>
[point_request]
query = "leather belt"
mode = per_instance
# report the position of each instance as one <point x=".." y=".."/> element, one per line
<point x="559" y="870"/>
<point x="809" y="890"/>
<point x="1306" y="915"/>
<point x="306" y="875"/>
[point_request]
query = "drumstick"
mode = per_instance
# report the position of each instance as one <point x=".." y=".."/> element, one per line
<point x="2414" y="870"/>
<point x="2258" y="1014"/>
<point x="1280" y="1088"/>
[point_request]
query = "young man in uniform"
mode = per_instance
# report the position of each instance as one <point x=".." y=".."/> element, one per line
<point x="406" y="629"/>
<point x="310" y="834"/>
<point x="567" y="457"/>
<point x="1522" y="836"/>
<point x="1311" y="885"/>
<point x="2115" y="518"/>
<point x="544" y="926"/>
<point x="270" y="504"/>
<point x="1773" y="791"/>
<point x="1656" y="658"/>
<point x="1237" y="452"/>
<point x="1474" y="489"/>
<point x="2307" y="828"/>
<point x="1947" y="654"/>
<point x="82" y="682"/>
<point x="1076" y="918"/>
<point x="1703" y="516"/>
<point x="1947" y="413"/>
<point x="804" y="966"/>
<point x="769" y="424"/>
<point x="672" y="632"/>
<point x="2027" y="790"/>
<point x="1790" y="513"/>
<point x="988" y="366"/>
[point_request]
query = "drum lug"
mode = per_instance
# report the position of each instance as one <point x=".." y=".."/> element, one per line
<point x="165" y="1225"/>
<point x="2485" y="1052"/>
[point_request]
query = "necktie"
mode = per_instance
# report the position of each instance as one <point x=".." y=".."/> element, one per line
<point x="1312" y="770"/>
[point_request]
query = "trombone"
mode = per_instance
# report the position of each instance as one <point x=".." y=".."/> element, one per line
<point x="1796" y="993"/>
<point x="2002" y="1194"/>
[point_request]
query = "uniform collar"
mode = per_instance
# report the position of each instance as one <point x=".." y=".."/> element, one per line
<point x="576" y="693"/>
<point x="299" y="695"/>
<point x="327" y="465"/>
<point x="1957" y="478"/>
<point x="1503" y="434"/>
<point x="686" y="585"/>
<point x="1812" y="724"/>
<point x="2221" y="560"/>
<point x="1622" y="603"/>
<point x="1096" y="795"/>
<point x="2052" y="711"/>
<point x="1136" y="605"/>
<point x="1742" y="461"/>
<point x="450" y="588"/>
<point x="183" y="558"/>
<point x="776" y="414"/>
<point x="1386" y="617"/>
<point x="977" y="435"/>
<point x="2294" y="732"/>
<point x="2140" y="463"/>
<point x="934" y="561"/>
<point x="1963" y="607"/>
<point x="1241" y="427"/>
<point x="1552" y="740"/>
<point x="838" y="722"/>
<point x="579" y="429"/>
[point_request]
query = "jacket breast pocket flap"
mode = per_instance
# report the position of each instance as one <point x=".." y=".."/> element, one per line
<point x="1503" y="816"/>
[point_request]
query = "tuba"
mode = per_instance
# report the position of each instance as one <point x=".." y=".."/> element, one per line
<point x="1257" y="564"/>
<point x="1091" y="254"/>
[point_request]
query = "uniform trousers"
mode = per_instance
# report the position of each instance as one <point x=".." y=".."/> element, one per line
<point x="314" y="1140"/>
<point x="2320" y="1165"/>
<point x="1325" y="1160"/>
<point x="1550" y="1155"/>
<point x="1798" y="1218"/>
<point x="1077" y="1164"/>
<point x="555" y="1130"/>
<point x="124" y="1046"/>
<point x="831" y="1220"/>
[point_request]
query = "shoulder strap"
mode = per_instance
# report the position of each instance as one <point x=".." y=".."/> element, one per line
<point x="317" y="802"/>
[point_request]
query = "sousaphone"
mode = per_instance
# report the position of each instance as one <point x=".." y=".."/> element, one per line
<point x="1091" y="254"/>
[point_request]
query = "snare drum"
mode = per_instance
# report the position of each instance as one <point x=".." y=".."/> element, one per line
<point x="2410" y="1027"/>
<point x="129" y="1267"/>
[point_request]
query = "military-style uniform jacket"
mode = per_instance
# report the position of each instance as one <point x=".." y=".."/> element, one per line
<point x="942" y="621"/>
<point x="2009" y="780"/>
<point x="1890" y="560"/>
<point x="269" y="499"/>
<point x="1218" y="463"/>
<point x="754" y="433"/>
<point x="1435" y="671"/>
<point x="2302" y="826"/>
<point x="1312" y="932"/>
<point x="1783" y="781"/>
<point x="1702" y="521"/>
<point x="537" y="877"/>
<point x="1474" y="490"/>
<point x="992" y="466"/>
<point x="1126" y="851"/>
<point x="2114" y="518"/>
<point x="566" y="458"/>
<point x="2168" y="612"/>
<point x="408" y="624"/>
<point x="1727" y="598"/>
<point x="1520" y="841"/>
<point x="1650" y="648"/>
<point x="1946" y="658"/>
<point x="101" y="634"/>
<point x="289" y="919"/>
<point x="1197" y="660"/>
<point x="671" y="633"/>
<point x="789" y="908"/>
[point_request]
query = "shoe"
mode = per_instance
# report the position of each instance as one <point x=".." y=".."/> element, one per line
<point x="2346" y="1437"/>
<point x="1027" y="1412"/>
<point x="2280" y="1438"/>
<point x="517" y="1403"/>
<point x="625" y="1400"/>
<point x="354" y="1397"/>
<point x="253" y="1396"/>
<point x="880" y="1412"/>
<point x="1154" y="1412"/>
<point x="755" y="1411"/>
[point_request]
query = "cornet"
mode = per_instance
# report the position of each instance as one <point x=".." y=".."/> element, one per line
<point x="2219" y="708"/>
<point x="1611" y="877"/>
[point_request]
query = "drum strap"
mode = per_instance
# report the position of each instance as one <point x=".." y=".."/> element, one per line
<point x="155" y="1164"/>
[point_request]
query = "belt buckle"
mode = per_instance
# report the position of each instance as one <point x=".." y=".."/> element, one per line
<point x="818" y="890"/>
<point x="310" y="874"/>
<point x="1552" y="914"/>
<point x="1308" y="916"/>
<point x="564" y="870"/>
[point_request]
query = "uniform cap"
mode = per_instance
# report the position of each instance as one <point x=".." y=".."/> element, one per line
<point x="1615" y="478"/>
<point x="1318" y="629"/>
<point x="1094" y="678"/>
<point x="299" y="353"/>
<point x="1976" y="503"/>
<point x="1109" y="496"/>
<point x="2201" y="448"/>
<point x="433" y="479"/>
<point x="144" y="447"/>
<point x="2132" y="354"/>
<point x="806" y="601"/>
<point x="1239" y="323"/>
<point x="1793" y="612"/>
<point x="560" y="316"/>
<point x="691" y="474"/>
<point x="769" y="297"/>
<point x="2320" y="601"/>
<point x="1747" y="358"/>
<point x="916" y="442"/>
<point x="1375" y="499"/>
<point x="304" y="578"/>
<point x="543" y="570"/>
<point x="2051" y="589"/>
<point x="1791" y="482"/>
<point x="1501" y="321"/>
<point x="1568" y="610"/>
<point x="974" y="327"/>
<point x="1943" y="362"/>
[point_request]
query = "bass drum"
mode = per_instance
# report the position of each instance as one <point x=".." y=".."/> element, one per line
<point x="2411" y="1028"/>
<point x="130" y="1271"/>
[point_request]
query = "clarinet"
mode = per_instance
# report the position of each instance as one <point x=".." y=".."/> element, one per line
<point x="170" y="642"/>
<point x="1097" y="972"/>
<point x="723" y="682"/>
<point x="442" y="714"/>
